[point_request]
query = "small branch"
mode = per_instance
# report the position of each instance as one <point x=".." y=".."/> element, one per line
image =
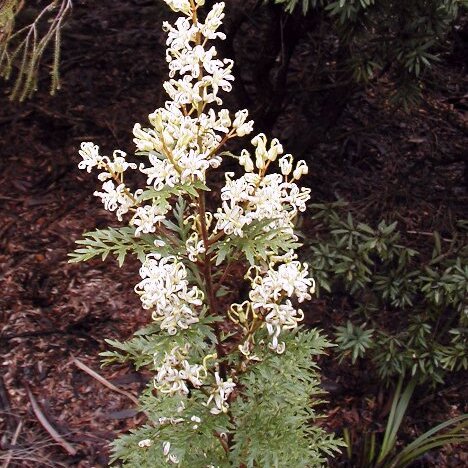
<point x="224" y="275"/>
<point x="429" y="234"/>
<point x="221" y="144"/>
<point x="215" y="238"/>
<point x="47" y="426"/>
<point x="103" y="381"/>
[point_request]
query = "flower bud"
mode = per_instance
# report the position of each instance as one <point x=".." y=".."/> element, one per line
<point x="246" y="161"/>
<point x="301" y="169"/>
<point x="275" y="149"/>
<point x="285" y="164"/>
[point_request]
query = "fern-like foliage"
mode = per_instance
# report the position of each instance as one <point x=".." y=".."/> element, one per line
<point x="269" y="416"/>
<point x="272" y="417"/>
<point x="252" y="245"/>
<point x="112" y="241"/>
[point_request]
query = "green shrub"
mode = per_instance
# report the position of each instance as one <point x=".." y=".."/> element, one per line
<point x="382" y="37"/>
<point x="408" y="309"/>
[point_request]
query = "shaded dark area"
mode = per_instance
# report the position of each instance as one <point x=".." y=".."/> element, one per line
<point x="411" y="167"/>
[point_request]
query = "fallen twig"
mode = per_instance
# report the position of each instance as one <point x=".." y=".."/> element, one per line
<point x="102" y="380"/>
<point x="47" y="426"/>
<point x="7" y="461"/>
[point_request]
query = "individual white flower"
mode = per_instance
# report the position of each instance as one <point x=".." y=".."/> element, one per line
<point x="182" y="6"/>
<point x="161" y="173"/>
<point x="241" y="125"/>
<point x="231" y="219"/>
<point x="170" y="457"/>
<point x="166" y="447"/>
<point x="286" y="165"/>
<point x="180" y="36"/>
<point x="173" y="459"/>
<point x="193" y="166"/>
<point x="219" y="77"/>
<point x="163" y="421"/>
<point x="282" y="317"/>
<point x="195" y="247"/>
<point x="145" y="443"/>
<point x="146" y="140"/>
<point x="116" y="167"/>
<point x="213" y="21"/>
<point x="183" y="91"/>
<point x="276" y="148"/>
<point x="301" y="169"/>
<point x="220" y="394"/>
<point x="246" y="161"/>
<point x="196" y="420"/>
<point x="261" y="154"/>
<point x="91" y="157"/>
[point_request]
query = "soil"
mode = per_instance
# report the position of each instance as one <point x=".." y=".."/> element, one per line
<point x="409" y="166"/>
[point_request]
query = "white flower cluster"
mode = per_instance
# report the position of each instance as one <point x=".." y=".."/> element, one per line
<point x="183" y="141"/>
<point x="175" y="372"/>
<point x="270" y="297"/>
<point x="165" y="290"/>
<point x="181" y="145"/>
<point x="115" y="196"/>
<point x="203" y="74"/>
<point x="195" y="247"/>
<point x="260" y="196"/>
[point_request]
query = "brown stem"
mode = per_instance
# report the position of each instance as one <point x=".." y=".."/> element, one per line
<point x="215" y="238"/>
<point x="207" y="255"/>
<point x="221" y="144"/>
<point x="224" y="275"/>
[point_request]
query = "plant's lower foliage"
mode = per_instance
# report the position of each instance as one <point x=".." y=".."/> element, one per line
<point x="273" y="413"/>
<point x="269" y="422"/>
<point x="174" y="440"/>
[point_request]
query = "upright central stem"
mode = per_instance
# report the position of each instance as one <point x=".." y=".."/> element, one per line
<point x="207" y="273"/>
<point x="207" y="255"/>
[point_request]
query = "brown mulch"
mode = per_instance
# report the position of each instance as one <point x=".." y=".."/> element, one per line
<point x="385" y="162"/>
